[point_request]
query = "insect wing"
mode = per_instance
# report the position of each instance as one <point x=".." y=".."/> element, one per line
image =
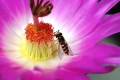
<point x="70" y="53"/>
<point x="60" y="51"/>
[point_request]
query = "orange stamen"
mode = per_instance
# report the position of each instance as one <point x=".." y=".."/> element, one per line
<point x="43" y="33"/>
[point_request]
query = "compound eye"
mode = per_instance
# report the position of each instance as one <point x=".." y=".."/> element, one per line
<point x="60" y="34"/>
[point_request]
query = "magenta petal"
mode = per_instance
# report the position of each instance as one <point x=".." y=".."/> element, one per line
<point x="93" y="59"/>
<point x="10" y="74"/>
<point x="64" y="10"/>
<point x="67" y="12"/>
<point x="9" y="70"/>
<point x="104" y="6"/>
<point x="3" y="59"/>
<point x="109" y="18"/>
<point x="14" y="10"/>
<point x="64" y="74"/>
<point x="33" y="75"/>
<point x="105" y="28"/>
<point x="11" y="9"/>
<point x="82" y="16"/>
<point x="113" y="60"/>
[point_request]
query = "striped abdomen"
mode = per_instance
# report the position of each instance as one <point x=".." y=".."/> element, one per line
<point x="65" y="48"/>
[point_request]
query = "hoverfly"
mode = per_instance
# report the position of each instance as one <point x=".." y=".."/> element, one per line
<point x="63" y="46"/>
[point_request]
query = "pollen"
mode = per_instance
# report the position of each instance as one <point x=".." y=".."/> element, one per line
<point x="44" y="32"/>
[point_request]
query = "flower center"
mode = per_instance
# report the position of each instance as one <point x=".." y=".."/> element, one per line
<point x="39" y="43"/>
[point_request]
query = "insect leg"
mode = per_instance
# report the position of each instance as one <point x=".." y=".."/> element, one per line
<point x="54" y="44"/>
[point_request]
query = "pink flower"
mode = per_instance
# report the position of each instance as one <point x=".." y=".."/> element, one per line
<point x="28" y="52"/>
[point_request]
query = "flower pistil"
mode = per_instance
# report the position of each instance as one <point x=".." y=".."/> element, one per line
<point x="39" y="43"/>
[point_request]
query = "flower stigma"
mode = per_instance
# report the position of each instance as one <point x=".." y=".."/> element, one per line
<point x="39" y="44"/>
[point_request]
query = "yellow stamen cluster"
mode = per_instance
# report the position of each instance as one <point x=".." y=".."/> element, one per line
<point x="41" y="51"/>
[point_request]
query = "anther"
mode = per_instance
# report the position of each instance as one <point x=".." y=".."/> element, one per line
<point x="40" y="10"/>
